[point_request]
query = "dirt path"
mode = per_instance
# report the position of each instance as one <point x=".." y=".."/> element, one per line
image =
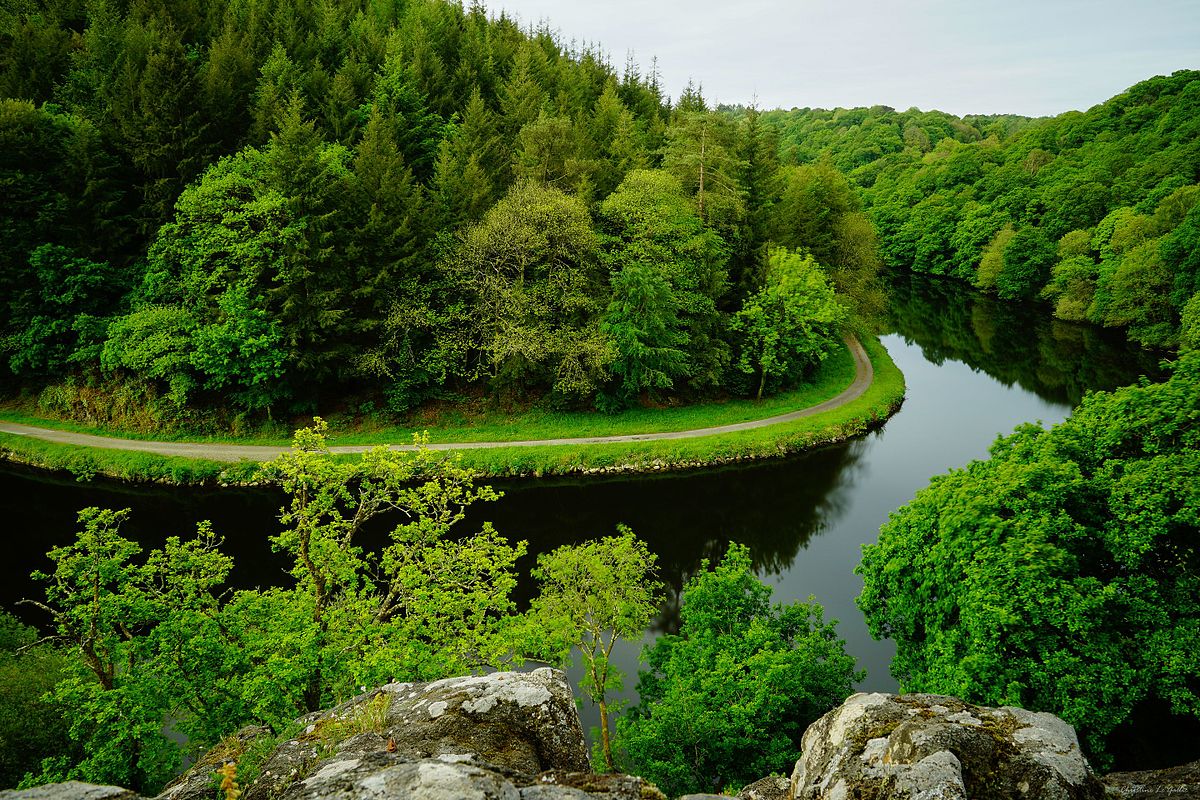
<point x="863" y="375"/>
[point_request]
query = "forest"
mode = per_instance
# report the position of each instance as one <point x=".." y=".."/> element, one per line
<point x="221" y="210"/>
<point x="218" y="210"/>
<point x="1093" y="213"/>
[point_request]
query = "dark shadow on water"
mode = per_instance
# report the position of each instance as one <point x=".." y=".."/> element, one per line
<point x="772" y="507"/>
<point x="39" y="511"/>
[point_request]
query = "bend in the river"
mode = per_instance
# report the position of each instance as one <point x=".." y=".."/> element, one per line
<point x="863" y="375"/>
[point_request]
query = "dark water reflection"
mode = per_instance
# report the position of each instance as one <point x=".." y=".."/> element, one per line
<point x="1016" y="344"/>
<point x="974" y="369"/>
<point x="773" y="508"/>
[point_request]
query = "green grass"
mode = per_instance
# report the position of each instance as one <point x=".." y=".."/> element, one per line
<point x="87" y="462"/>
<point x="446" y="425"/>
<point x="859" y="416"/>
<point x="834" y="375"/>
<point x="880" y="400"/>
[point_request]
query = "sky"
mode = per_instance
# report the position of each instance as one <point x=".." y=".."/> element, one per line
<point x="961" y="56"/>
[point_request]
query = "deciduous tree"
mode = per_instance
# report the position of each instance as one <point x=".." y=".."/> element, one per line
<point x="591" y="595"/>
<point x="790" y="325"/>
<point x="729" y="697"/>
<point x="1060" y="574"/>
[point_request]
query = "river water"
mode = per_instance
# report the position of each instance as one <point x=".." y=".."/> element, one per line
<point x="974" y="369"/>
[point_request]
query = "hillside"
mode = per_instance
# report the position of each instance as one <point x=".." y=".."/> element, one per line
<point x="1093" y="212"/>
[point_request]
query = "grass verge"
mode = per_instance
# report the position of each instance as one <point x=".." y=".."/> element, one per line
<point x="492" y="425"/>
<point x="866" y="412"/>
<point x="87" y="462"/>
<point x="863" y="414"/>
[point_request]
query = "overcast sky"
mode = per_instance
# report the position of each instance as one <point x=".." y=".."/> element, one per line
<point x="962" y="56"/>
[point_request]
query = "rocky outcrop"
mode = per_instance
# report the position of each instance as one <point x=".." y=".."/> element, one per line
<point x="921" y="747"/>
<point x="503" y="736"/>
<point x="516" y="736"/>
<point x="770" y="788"/>
<point x="1175" y="783"/>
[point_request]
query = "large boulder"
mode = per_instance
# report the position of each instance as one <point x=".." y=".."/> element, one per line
<point x="381" y="774"/>
<point x="1174" y="783"/>
<point x="503" y="736"/>
<point x="525" y="721"/>
<point x="921" y="747"/>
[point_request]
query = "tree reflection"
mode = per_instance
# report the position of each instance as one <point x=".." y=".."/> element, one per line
<point x="773" y="507"/>
<point x="1015" y="343"/>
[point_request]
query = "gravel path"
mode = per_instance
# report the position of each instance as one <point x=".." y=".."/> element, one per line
<point x="863" y="375"/>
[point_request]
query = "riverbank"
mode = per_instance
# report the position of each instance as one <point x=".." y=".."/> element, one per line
<point x="856" y="391"/>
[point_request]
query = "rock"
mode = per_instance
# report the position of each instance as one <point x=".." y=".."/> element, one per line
<point x="512" y="726"/>
<point x="921" y="747"/>
<point x="568" y="785"/>
<point x="197" y="783"/>
<point x="380" y="773"/>
<point x="1175" y="783"/>
<point x="287" y="762"/>
<point x="769" y="788"/>
<point x="525" y="721"/>
<point x="383" y="774"/>
<point x="70" y="790"/>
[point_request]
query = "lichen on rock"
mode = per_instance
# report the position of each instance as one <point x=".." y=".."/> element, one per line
<point x="933" y="747"/>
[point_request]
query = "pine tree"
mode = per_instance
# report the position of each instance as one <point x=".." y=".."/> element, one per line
<point x="521" y="97"/>
<point x="417" y="130"/>
<point x="279" y="79"/>
<point x="390" y="235"/>
<point x="162" y="124"/>
<point x="313" y="293"/>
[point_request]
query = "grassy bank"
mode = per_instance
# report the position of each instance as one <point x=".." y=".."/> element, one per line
<point x="127" y="465"/>
<point x="860" y="415"/>
<point x="482" y="424"/>
<point x="870" y="410"/>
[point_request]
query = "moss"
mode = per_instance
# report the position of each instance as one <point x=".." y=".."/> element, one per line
<point x="879" y="730"/>
<point x="369" y="716"/>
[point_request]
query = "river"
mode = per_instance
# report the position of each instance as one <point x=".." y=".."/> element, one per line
<point x="975" y="368"/>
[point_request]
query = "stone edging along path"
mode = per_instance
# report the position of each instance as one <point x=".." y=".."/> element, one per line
<point x="864" y="373"/>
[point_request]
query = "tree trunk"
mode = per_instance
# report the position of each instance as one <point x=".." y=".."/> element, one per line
<point x="605" y="740"/>
<point x="762" y="382"/>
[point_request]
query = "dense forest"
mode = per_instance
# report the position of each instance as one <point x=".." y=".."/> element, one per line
<point x="257" y="205"/>
<point x="226" y="208"/>
<point x="1094" y="213"/>
<point x="1061" y="573"/>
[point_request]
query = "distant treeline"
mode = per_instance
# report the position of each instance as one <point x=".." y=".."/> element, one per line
<point x="1094" y="212"/>
<point x="273" y="204"/>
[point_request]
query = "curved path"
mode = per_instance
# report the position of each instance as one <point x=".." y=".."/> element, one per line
<point x="863" y="375"/>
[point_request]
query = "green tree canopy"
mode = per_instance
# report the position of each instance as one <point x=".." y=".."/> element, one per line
<point x="728" y="699"/>
<point x="590" y="595"/>
<point x="643" y="324"/>
<point x="530" y="271"/>
<point x="650" y="221"/>
<point x="158" y="636"/>
<point x="1061" y="573"/>
<point x="790" y="325"/>
<point x="31" y="729"/>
